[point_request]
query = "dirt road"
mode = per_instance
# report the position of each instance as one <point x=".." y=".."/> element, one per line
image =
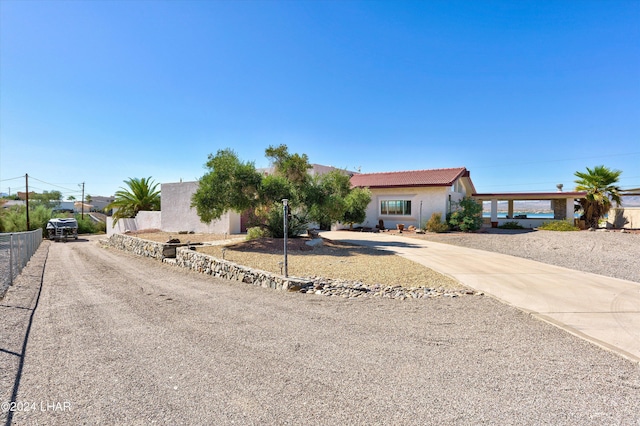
<point x="118" y="339"/>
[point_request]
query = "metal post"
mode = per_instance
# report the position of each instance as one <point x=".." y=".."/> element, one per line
<point x="420" y="225"/>
<point x="285" y="206"/>
<point x="11" y="259"/>
<point x="26" y="180"/>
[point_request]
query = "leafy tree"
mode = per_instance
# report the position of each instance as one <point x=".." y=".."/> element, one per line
<point x="229" y="185"/>
<point x="294" y="167"/>
<point x="233" y="185"/>
<point x="356" y="206"/>
<point x="468" y="215"/>
<point x="141" y="194"/>
<point x="71" y="198"/>
<point x="326" y="198"/>
<point x="599" y="183"/>
<point x="47" y="199"/>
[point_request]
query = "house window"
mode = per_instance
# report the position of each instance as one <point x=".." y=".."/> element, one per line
<point x="395" y="207"/>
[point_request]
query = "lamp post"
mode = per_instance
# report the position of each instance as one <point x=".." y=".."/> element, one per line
<point x="285" y="206"/>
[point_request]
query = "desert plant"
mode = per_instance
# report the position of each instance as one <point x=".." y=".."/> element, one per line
<point x="142" y="194"/>
<point x="599" y="183"/>
<point x="256" y="232"/>
<point x="467" y="216"/>
<point x="89" y="226"/>
<point x="511" y="225"/>
<point x="435" y="224"/>
<point x="558" y="225"/>
<point x="274" y="226"/>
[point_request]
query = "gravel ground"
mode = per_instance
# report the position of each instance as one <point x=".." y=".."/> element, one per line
<point x="329" y="260"/>
<point x="128" y="340"/>
<point x="613" y="254"/>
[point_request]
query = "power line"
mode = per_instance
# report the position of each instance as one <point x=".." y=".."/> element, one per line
<point x="19" y="177"/>
<point x="53" y="184"/>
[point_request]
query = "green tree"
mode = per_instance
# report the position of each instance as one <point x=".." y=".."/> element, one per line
<point x="326" y="198"/>
<point x="599" y="184"/>
<point x="47" y="199"/>
<point x="233" y="185"/>
<point x="356" y="206"/>
<point x="229" y="185"/>
<point x="140" y="194"/>
<point x="467" y="216"/>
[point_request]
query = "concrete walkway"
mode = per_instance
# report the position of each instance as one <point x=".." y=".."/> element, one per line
<point x="603" y="310"/>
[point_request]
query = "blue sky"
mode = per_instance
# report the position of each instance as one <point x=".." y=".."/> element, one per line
<point x="521" y="93"/>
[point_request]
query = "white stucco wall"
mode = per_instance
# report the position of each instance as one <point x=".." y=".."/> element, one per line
<point x="178" y="215"/>
<point x="434" y="200"/>
<point x="143" y="220"/>
<point x="624" y="217"/>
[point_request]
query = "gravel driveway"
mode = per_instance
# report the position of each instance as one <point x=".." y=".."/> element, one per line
<point x="118" y="339"/>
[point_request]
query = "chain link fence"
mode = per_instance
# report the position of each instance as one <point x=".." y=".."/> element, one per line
<point x="15" y="251"/>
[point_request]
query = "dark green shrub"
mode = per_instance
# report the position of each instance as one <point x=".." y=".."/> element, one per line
<point x="435" y="224"/>
<point x="511" y="225"/>
<point x="467" y="217"/>
<point x="558" y="225"/>
<point x="274" y="226"/>
<point x="89" y="226"/>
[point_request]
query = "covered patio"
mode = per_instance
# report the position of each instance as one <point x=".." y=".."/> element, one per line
<point x="561" y="203"/>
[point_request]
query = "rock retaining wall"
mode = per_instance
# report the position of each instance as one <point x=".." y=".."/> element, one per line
<point x="206" y="264"/>
<point x="137" y="246"/>
<point x="209" y="265"/>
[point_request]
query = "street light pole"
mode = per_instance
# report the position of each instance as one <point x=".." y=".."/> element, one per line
<point x="285" y="206"/>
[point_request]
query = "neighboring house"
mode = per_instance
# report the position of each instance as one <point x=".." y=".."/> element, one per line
<point x="99" y="202"/>
<point x="411" y="197"/>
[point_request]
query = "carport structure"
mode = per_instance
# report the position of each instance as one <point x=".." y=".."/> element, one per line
<point x="562" y="204"/>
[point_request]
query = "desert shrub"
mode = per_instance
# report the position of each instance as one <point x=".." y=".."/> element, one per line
<point x="511" y="225"/>
<point x="558" y="225"/>
<point x="274" y="226"/>
<point x="89" y="226"/>
<point x="255" y="233"/>
<point x="14" y="219"/>
<point x="435" y="224"/>
<point x="467" y="217"/>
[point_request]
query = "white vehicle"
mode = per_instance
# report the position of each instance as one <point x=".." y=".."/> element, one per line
<point x="62" y="229"/>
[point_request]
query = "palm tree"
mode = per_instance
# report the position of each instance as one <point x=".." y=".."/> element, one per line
<point x="141" y="195"/>
<point x="599" y="183"/>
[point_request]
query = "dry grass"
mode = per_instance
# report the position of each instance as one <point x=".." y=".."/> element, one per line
<point x="330" y="260"/>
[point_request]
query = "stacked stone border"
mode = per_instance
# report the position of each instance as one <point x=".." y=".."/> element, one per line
<point x="209" y="265"/>
<point x="206" y="264"/>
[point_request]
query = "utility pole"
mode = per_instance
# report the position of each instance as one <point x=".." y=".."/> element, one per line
<point x="26" y="177"/>
<point x="82" y="215"/>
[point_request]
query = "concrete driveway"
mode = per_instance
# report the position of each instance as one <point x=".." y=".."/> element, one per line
<point x="603" y="310"/>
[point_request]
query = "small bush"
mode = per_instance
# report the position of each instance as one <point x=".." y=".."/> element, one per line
<point x="435" y="224"/>
<point x="89" y="226"/>
<point x="558" y="225"/>
<point x="467" y="217"/>
<point x="511" y="225"/>
<point x="255" y="233"/>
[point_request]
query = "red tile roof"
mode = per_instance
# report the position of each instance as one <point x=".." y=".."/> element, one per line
<point x="435" y="177"/>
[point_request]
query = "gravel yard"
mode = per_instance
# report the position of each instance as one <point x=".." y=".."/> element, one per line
<point x="613" y="254"/>
<point x="329" y="260"/>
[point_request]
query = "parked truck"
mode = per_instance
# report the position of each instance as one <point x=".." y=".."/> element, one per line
<point x="62" y="229"/>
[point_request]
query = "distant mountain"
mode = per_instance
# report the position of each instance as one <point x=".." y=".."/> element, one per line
<point x="631" y="201"/>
